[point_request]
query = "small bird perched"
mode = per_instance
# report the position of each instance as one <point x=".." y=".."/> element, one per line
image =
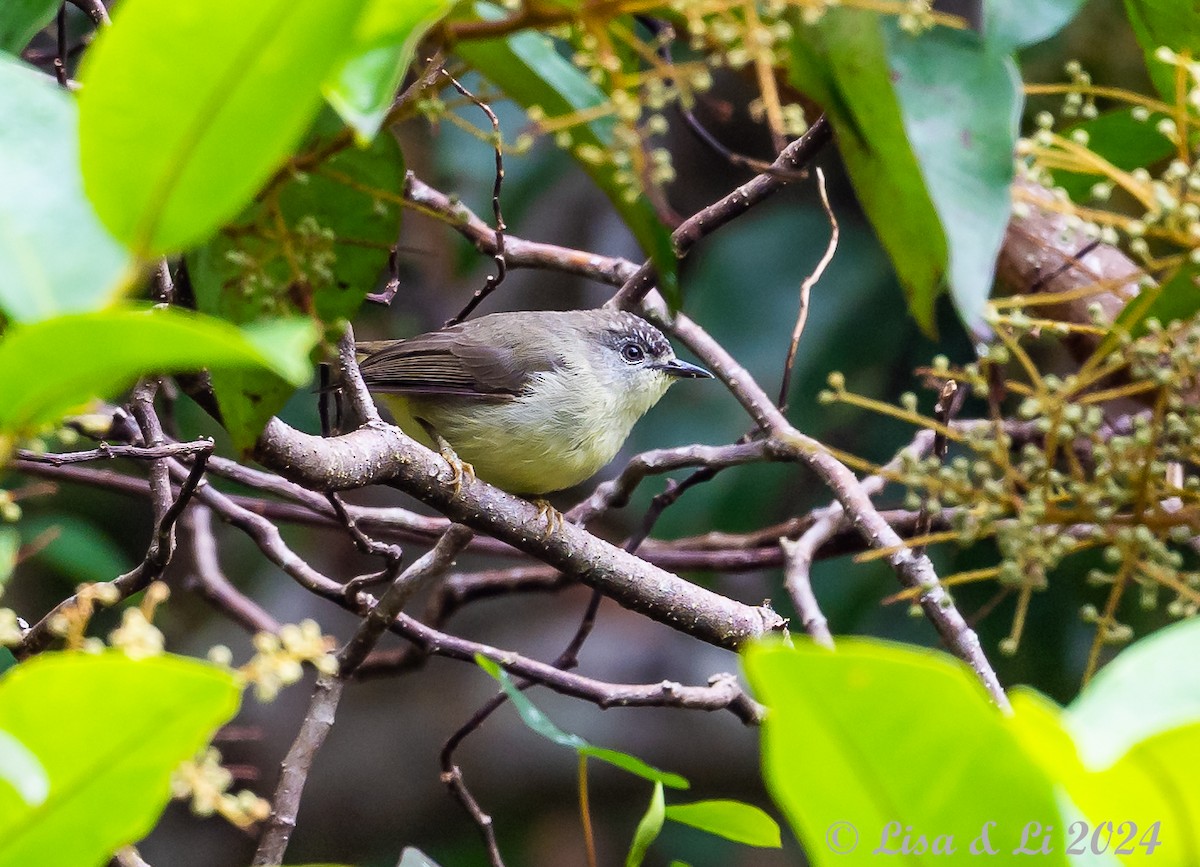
<point x="534" y="401"/>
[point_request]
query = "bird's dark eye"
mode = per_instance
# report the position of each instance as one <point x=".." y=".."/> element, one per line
<point x="633" y="353"/>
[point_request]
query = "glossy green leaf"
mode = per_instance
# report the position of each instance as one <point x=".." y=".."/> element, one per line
<point x="733" y="820"/>
<point x="20" y="21"/>
<point x="362" y="88"/>
<point x="648" y="829"/>
<point x="188" y="108"/>
<point x="635" y="766"/>
<point x="528" y="68"/>
<point x="842" y="63"/>
<point x="1153" y="782"/>
<point x="1149" y="688"/>
<point x="334" y="247"/>
<point x="533" y="717"/>
<point x="1174" y="24"/>
<point x="317" y="246"/>
<point x="1121" y="140"/>
<point x="21" y="770"/>
<point x="50" y="367"/>
<point x="845" y="730"/>
<point x="961" y="105"/>
<point x="55" y="256"/>
<point x="108" y="731"/>
<point x="78" y="549"/>
<point x="1009" y="25"/>
<point x="530" y="714"/>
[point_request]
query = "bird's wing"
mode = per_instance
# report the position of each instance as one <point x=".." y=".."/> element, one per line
<point x="444" y="362"/>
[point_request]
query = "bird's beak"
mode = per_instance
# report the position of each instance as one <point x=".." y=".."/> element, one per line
<point x="684" y="370"/>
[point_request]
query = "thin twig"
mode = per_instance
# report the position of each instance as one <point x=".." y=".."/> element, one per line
<point x="794" y="157"/>
<point x="805" y="288"/>
<point x="950" y="400"/>
<point x="60" y="56"/>
<point x="107" y="452"/>
<point x="493" y="281"/>
<point x="158" y="555"/>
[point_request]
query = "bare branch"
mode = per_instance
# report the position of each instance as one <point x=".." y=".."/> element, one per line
<point x="615" y="493"/>
<point x="915" y="571"/>
<point x="426" y="569"/>
<point x="799" y="555"/>
<point x="285" y="805"/>
<point x="791" y="160"/>
<point x="209" y="582"/>
<point x="387" y="455"/>
<point x="107" y="452"/>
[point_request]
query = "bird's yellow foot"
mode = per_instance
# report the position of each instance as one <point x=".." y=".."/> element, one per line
<point x="552" y="516"/>
<point x="459" y="469"/>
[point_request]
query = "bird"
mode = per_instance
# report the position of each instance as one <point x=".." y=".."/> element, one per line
<point x="532" y="401"/>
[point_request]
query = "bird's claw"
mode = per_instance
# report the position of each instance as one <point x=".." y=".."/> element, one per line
<point x="460" y="470"/>
<point x="553" y="517"/>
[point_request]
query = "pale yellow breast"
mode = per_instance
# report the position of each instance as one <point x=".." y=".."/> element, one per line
<point x="561" y="431"/>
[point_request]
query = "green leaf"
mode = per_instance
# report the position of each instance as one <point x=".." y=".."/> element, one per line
<point x="533" y="717"/>
<point x="1150" y="687"/>
<point x="1170" y="23"/>
<point x="842" y="63"/>
<point x="316" y="245"/>
<point x="21" y="20"/>
<point x="1154" y="782"/>
<point x="845" y="730"/>
<point x="1012" y="24"/>
<point x="79" y="551"/>
<point x="334" y="241"/>
<point x="50" y="367"/>
<point x="188" y="108"/>
<point x="647" y="830"/>
<point x="1121" y="140"/>
<point x="1176" y="299"/>
<point x="529" y="69"/>
<point x="530" y="714"/>
<point x="361" y="90"/>
<point x="55" y="256"/>
<point x="108" y="731"/>
<point x="413" y="857"/>
<point x="22" y="771"/>
<point x="10" y="545"/>
<point x="961" y="105"/>
<point x="635" y="766"/>
<point x="733" y="820"/>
